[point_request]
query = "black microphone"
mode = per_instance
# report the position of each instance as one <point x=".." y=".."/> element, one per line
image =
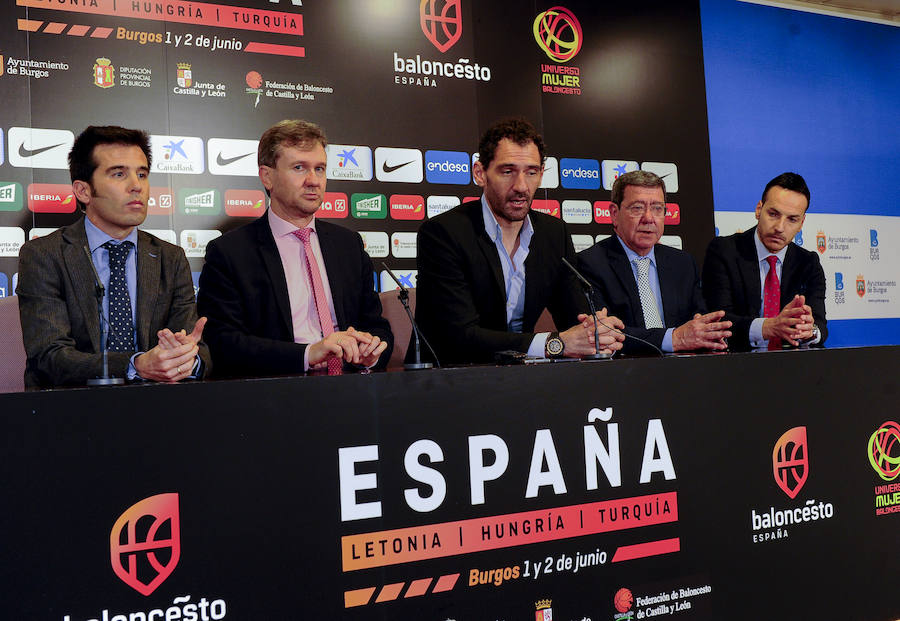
<point x="588" y="290"/>
<point x="99" y="291"/>
<point x="403" y="296"/>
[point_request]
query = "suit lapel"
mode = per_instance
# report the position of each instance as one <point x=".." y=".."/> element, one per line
<point x="618" y="261"/>
<point x="748" y="265"/>
<point x="331" y="255"/>
<point x="788" y="271"/>
<point x="488" y="249"/>
<point x="81" y="275"/>
<point x="271" y="260"/>
<point x="148" y="271"/>
<point x="668" y="289"/>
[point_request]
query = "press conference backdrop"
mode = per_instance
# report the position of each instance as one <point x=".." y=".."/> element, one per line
<point x="815" y="94"/>
<point x="403" y="89"/>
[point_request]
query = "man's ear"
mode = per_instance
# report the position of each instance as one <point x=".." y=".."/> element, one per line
<point x="82" y="191"/>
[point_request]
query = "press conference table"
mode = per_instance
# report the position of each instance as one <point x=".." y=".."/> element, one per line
<point x="738" y="486"/>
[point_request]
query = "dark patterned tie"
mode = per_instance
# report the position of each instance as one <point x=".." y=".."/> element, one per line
<point x="648" y="300"/>
<point x="121" y="328"/>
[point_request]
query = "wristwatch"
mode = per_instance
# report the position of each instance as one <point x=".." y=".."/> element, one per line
<point x="554" y="347"/>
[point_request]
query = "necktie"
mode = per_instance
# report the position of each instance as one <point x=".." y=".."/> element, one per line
<point x="772" y="297"/>
<point x="121" y="328"/>
<point x="648" y="300"/>
<point x="312" y="270"/>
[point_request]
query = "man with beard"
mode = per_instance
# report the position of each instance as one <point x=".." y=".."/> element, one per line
<point x="488" y="268"/>
<point x="772" y="289"/>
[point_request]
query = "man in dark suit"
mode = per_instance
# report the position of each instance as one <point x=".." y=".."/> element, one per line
<point x="653" y="288"/>
<point x="769" y="308"/>
<point x="488" y="268"/>
<point x="289" y="293"/>
<point x="149" y="302"/>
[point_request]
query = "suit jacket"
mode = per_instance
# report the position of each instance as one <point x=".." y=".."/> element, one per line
<point x="58" y="306"/>
<point x="243" y="292"/>
<point x="731" y="283"/>
<point x="606" y="265"/>
<point x="460" y="293"/>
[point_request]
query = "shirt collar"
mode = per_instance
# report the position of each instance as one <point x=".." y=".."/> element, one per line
<point x="492" y="227"/>
<point x="632" y="255"/>
<point x="97" y="238"/>
<point x="762" y="252"/>
<point x="282" y="228"/>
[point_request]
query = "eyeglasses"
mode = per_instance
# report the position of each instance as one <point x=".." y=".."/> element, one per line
<point x="636" y="210"/>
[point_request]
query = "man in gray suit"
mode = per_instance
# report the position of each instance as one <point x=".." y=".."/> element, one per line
<point x="149" y="303"/>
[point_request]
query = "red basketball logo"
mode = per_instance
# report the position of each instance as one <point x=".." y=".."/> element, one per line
<point x="144" y="544"/>
<point x="790" y="461"/>
<point x="441" y="22"/>
<point x="623" y="600"/>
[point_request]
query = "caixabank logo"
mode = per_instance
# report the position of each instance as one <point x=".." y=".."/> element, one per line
<point x="790" y="470"/>
<point x="442" y="26"/>
<point x="558" y="34"/>
<point x="144" y="550"/>
<point x="884" y="457"/>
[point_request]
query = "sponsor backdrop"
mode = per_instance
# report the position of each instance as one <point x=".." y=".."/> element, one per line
<point x="403" y="89"/>
<point x="789" y="90"/>
<point x="476" y="495"/>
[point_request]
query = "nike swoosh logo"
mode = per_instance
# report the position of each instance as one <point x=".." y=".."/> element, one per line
<point x="390" y="169"/>
<point x="222" y="161"/>
<point x="23" y="152"/>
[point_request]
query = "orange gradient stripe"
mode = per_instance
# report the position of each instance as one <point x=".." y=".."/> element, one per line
<point x="416" y="543"/>
<point x="184" y="12"/>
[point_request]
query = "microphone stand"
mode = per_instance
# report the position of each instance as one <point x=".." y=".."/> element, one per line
<point x="588" y="290"/>
<point x="100" y="291"/>
<point x="403" y="296"/>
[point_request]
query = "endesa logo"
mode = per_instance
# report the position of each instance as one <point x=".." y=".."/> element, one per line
<point x="334" y="205"/>
<point x="51" y="198"/>
<point x="790" y="461"/>
<point x="447" y="167"/>
<point x="407" y="207"/>
<point x="579" y="174"/>
<point x="145" y="543"/>
<point x="549" y="207"/>
<point x="441" y="22"/>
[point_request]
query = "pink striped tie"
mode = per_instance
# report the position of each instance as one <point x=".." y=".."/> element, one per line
<point x="772" y="298"/>
<point x="335" y="365"/>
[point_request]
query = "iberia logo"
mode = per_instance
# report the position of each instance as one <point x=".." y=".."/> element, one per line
<point x="104" y="73"/>
<point x="790" y="461"/>
<point x="441" y="22"/>
<point x="820" y="242"/>
<point x="558" y="32"/>
<point x="884" y="450"/>
<point x="860" y="285"/>
<point x="544" y="612"/>
<point x="183" y="77"/>
<point x="144" y="552"/>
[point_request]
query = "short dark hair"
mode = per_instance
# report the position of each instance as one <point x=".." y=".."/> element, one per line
<point x="518" y="130"/>
<point x="288" y="133"/>
<point x="789" y="181"/>
<point x="81" y="158"/>
<point x="640" y="178"/>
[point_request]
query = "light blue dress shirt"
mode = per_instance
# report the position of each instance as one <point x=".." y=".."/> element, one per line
<point x="513" y="274"/>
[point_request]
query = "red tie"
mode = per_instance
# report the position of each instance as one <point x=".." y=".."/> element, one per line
<point x="772" y="298"/>
<point x="335" y="366"/>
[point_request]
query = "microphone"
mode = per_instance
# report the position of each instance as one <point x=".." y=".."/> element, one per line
<point x="99" y="291"/>
<point x="403" y="296"/>
<point x="588" y="290"/>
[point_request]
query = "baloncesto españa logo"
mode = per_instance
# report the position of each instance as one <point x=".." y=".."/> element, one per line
<point x="145" y="543"/>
